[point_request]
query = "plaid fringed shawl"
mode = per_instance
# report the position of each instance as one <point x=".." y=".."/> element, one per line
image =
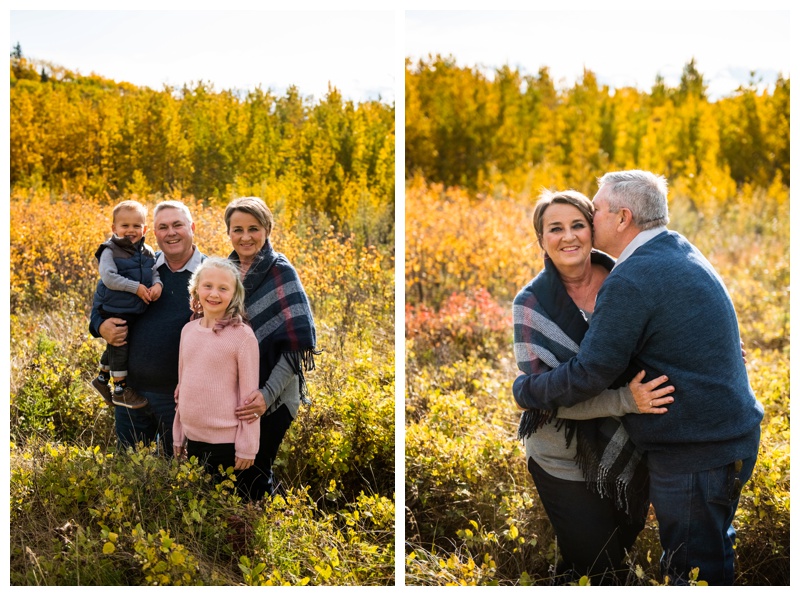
<point x="280" y="314"/>
<point x="548" y="330"/>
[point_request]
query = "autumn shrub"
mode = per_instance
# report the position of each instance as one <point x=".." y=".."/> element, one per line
<point x="469" y="497"/>
<point x="480" y="555"/>
<point x="456" y="242"/>
<point x="52" y="246"/>
<point x="470" y="323"/>
<point x="458" y="569"/>
<point x="53" y="361"/>
<point x="295" y="542"/>
<point x="459" y="460"/>
<point x="82" y="516"/>
<point x="764" y="511"/>
<point x="346" y="435"/>
<point x="352" y="286"/>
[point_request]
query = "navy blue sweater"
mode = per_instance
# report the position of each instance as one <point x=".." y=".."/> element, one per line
<point x="666" y="310"/>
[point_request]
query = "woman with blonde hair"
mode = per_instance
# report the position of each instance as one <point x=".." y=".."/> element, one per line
<point x="279" y="311"/>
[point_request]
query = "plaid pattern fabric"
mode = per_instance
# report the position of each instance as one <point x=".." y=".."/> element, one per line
<point x="280" y="314"/>
<point x="548" y="330"/>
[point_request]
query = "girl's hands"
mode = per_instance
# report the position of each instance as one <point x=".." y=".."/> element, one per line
<point x="242" y="464"/>
<point x="648" y="399"/>
<point x="253" y="407"/>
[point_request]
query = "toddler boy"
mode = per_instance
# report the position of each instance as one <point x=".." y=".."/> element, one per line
<point x="128" y="283"/>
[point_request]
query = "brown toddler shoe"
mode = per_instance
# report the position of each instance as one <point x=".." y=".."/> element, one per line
<point x="128" y="398"/>
<point x="103" y="389"/>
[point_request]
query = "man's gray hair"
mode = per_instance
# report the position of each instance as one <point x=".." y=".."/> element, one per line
<point x="173" y="205"/>
<point x="644" y="193"/>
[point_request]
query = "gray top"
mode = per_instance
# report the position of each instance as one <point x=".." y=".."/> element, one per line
<point x="282" y="383"/>
<point x="547" y="446"/>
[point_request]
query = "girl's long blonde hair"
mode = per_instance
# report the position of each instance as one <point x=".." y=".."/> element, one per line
<point x="236" y="313"/>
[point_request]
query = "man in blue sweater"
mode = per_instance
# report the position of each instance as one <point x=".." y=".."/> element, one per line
<point x="664" y="309"/>
<point x="154" y="342"/>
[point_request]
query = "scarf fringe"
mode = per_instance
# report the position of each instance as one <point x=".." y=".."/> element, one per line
<point x="533" y="420"/>
<point x="569" y="426"/>
<point x="628" y="499"/>
<point x="301" y="362"/>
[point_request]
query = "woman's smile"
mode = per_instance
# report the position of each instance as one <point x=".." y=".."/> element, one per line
<point x="567" y="235"/>
<point x="247" y="235"/>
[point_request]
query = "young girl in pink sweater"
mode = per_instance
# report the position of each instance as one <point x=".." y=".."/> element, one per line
<point x="217" y="370"/>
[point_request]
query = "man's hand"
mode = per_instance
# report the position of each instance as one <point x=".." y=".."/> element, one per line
<point x="178" y="452"/>
<point x="155" y="292"/>
<point x="114" y="330"/>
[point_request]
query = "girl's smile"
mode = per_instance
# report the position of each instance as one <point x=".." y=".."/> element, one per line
<point x="215" y="292"/>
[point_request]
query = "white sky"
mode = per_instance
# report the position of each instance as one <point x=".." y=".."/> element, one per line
<point x="234" y="49"/>
<point x="356" y="50"/>
<point x="622" y="47"/>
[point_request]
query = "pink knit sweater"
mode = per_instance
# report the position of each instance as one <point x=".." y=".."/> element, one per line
<point x="216" y="372"/>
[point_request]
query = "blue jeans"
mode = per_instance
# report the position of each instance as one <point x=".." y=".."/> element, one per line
<point x="148" y="424"/>
<point x="695" y="520"/>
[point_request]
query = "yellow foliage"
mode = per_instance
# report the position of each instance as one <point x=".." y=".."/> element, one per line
<point x="457" y="242"/>
<point x="53" y="244"/>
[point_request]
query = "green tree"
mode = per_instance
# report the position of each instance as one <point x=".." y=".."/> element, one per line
<point x="691" y="84"/>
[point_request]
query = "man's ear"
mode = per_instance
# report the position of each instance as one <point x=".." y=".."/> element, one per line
<point x="625" y="219"/>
